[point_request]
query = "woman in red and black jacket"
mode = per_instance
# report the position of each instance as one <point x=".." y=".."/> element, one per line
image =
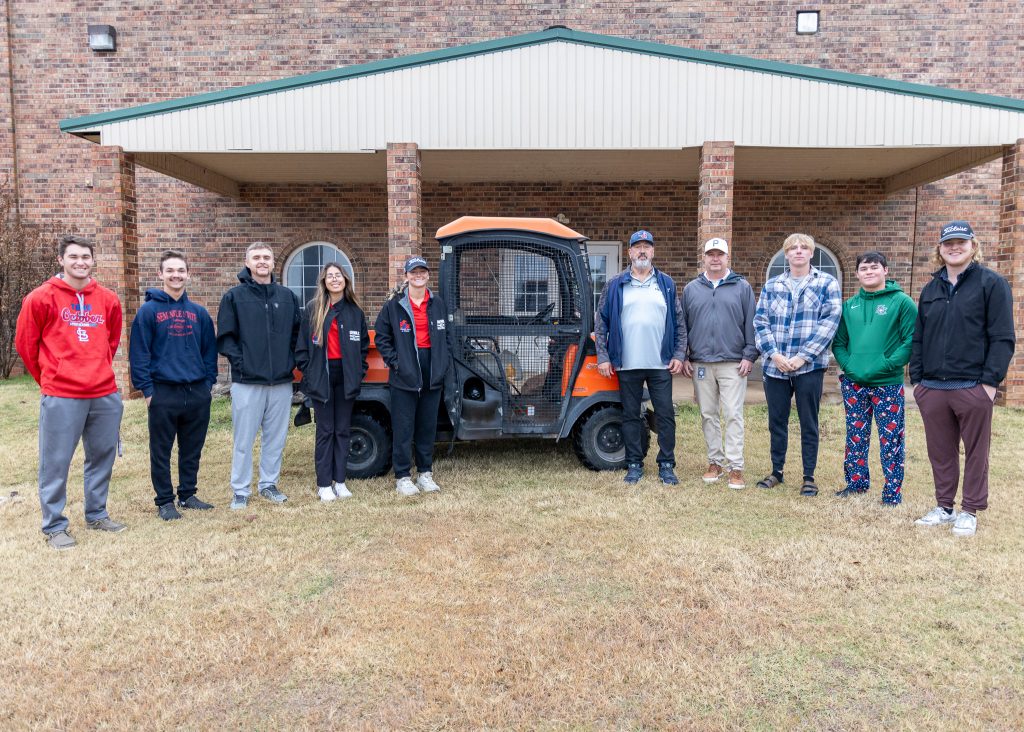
<point x="331" y="353"/>
<point x="412" y="339"/>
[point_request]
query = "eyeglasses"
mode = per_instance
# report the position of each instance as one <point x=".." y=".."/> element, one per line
<point x="334" y="276"/>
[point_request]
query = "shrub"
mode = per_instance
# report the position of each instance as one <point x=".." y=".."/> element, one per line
<point x="24" y="258"/>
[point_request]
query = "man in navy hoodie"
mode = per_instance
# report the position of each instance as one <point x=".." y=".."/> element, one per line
<point x="173" y="356"/>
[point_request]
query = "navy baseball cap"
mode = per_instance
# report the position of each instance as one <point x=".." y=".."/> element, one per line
<point x="413" y="262"/>
<point x="956" y="230"/>
<point x="641" y="236"/>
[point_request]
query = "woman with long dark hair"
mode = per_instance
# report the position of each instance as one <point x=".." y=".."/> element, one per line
<point x="331" y="353"/>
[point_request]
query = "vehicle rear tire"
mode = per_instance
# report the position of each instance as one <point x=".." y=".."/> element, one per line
<point x="597" y="439"/>
<point x="370" y="450"/>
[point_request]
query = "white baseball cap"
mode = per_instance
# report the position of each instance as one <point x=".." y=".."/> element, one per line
<point x="717" y="243"/>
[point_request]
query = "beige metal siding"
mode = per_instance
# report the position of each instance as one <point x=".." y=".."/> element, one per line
<point x="562" y="95"/>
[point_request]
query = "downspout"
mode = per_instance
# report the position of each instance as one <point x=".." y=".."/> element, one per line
<point x="14" y="130"/>
<point x="913" y="242"/>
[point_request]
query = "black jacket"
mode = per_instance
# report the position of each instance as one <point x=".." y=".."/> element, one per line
<point x="257" y="326"/>
<point x="396" y="342"/>
<point x="964" y="332"/>
<point x="311" y="357"/>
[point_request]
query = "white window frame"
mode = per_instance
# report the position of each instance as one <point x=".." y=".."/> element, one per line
<point x="342" y="259"/>
<point x="781" y="254"/>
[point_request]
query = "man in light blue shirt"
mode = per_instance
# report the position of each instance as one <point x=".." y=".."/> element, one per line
<point x="641" y="334"/>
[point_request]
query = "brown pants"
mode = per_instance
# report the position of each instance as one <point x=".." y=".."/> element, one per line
<point x="949" y="417"/>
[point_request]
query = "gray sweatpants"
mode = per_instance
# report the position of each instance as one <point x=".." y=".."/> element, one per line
<point x="254" y="408"/>
<point x="62" y="422"/>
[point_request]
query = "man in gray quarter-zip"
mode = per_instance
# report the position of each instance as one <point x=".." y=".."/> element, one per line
<point x="719" y="308"/>
<point x="257" y="329"/>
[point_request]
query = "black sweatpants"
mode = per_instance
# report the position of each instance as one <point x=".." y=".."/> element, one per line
<point x="659" y="386"/>
<point x="414" y="423"/>
<point x="779" y="395"/>
<point x="333" y="431"/>
<point x="177" y="412"/>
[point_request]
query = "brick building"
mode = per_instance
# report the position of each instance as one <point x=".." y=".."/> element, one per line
<point x="752" y="149"/>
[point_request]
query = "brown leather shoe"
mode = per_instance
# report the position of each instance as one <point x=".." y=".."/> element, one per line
<point x="736" y="480"/>
<point x="713" y="473"/>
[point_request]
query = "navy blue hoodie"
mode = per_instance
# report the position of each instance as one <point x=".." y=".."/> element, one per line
<point x="172" y="342"/>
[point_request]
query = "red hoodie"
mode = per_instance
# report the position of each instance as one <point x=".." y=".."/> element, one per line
<point x="67" y="338"/>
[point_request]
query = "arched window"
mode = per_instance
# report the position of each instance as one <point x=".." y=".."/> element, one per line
<point x="305" y="263"/>
<point x="822" y="258"/>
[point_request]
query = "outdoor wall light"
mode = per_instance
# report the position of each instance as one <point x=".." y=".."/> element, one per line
<point x="102" y="38"/>
<point x="807" y="22"/>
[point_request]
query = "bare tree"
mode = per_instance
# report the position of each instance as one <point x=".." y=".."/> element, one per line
<point x="25" y="252"/>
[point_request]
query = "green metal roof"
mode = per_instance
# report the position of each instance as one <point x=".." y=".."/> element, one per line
<point x="77" y="124"/>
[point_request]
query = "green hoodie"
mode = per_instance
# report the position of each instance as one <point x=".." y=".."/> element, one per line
<point x="872" y="344"/>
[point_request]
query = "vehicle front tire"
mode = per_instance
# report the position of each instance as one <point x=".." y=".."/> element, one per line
<point x="370" y="450"/>
<point x="597" y="439"/>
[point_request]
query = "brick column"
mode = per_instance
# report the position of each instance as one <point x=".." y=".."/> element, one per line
<point x="714" y="196"/>
<point x="1009" y="259"/>
<point x="117" y="241"/>
<point x="405" y="207"/>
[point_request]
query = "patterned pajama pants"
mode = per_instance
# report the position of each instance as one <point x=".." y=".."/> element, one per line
<point x="886" y="404"/>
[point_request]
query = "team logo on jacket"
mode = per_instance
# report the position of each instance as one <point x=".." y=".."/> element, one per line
<point x="404" y="326"/>
<point x="881" y="310"/>
<point x="353" y="335"/>
<point x="81" y="316"/>
<point x="440" y="324"/>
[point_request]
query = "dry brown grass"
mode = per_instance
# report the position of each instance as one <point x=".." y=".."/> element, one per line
<point x="530" y="594"/>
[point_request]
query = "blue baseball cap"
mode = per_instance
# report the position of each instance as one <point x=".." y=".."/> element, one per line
<point x="956" y="230"/>
<point x="641" y="236"/>
<point x="413" y="262"/>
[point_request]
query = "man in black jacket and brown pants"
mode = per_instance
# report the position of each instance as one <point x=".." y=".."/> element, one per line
<point x="257" y="328"/>
<point x="963" y="342"/>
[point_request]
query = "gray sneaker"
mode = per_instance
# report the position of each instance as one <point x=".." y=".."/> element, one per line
<point x="966" y="524"/>
<point x="425" y="482"/>
<point x="937" y="517"/>
<point x="406" y="487"/>
<point x="106" y="524"/>
<point x="60" y="540"/>
<point x="271" y="493"/>
<point x="239" y="502"/>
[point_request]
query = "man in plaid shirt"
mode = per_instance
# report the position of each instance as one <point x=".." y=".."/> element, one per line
<point x="797" y="317"/>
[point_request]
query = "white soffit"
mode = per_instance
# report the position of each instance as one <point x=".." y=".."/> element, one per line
<point x="564" y="91"/>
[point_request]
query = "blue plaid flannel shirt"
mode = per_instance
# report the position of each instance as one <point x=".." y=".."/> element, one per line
<point x="798" y="319"/>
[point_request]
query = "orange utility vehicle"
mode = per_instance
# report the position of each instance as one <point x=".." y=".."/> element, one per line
<point x="520" y="324"/>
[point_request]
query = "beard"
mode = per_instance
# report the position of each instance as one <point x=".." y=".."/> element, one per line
<point x="641" y="265"/>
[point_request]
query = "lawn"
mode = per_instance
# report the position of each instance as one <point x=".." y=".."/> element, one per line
<point x="529" y="594"/>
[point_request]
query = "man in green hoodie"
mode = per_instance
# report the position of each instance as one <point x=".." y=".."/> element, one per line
<point x="871" y="347"/>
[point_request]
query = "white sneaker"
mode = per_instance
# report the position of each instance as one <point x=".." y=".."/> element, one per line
<point x="936" y="517"/>
<point x="406" y="487"/>
<point x="326" y="494"/>
<point x="425" y="482"/>
<point x="966" y="524"/>
<point x="342" y="491"/>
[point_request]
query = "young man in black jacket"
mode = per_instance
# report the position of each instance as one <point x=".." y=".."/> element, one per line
<point x="963" y="341"/>
<point x="412" y="338"/>
<point x="257" y="328"/>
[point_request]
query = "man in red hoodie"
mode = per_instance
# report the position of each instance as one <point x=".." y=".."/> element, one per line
<point x="68" y="331"/>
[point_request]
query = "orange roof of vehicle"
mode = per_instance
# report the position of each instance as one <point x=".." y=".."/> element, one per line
<point x="490" y="223"/>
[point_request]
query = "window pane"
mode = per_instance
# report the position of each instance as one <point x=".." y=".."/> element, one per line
<point x="304" y="267"/>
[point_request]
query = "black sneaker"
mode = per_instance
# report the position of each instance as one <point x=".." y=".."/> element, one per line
<point x="847" y="493"/>
<point x="667" y="475"/>
<point x="634" y="472"/>
<point x="168" y="512"/>
<point x="195" y="504"/>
